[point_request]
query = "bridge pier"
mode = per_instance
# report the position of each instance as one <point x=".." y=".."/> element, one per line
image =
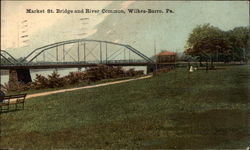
<point x="20" y="75"/>
<point x="150" y="68"/>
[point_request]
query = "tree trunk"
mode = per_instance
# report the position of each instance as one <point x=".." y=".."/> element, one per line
<point x="206" y="66"/>
<point x="201" y="65"/>
<point x="212" y="64"/>
<point x="188" y="65"/>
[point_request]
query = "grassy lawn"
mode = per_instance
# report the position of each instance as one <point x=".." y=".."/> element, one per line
<point x="172" y="110"/>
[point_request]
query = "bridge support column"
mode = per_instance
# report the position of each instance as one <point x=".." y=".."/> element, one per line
<point x="150" y="68"/>
<point x="20" y="75"/>
<point x="12" y="78"/>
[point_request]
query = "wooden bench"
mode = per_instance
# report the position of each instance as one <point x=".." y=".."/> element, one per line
<point x="12" y="100"/>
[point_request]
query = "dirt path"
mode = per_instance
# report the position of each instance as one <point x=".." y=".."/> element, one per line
<point x="85" y="87"/>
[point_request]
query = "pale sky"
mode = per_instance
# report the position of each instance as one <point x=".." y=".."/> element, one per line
<point x="170" y="31"/>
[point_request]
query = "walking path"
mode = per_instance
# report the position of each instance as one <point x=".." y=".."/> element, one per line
<point x="85" y="87"/>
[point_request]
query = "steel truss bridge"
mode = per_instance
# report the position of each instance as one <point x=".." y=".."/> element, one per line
<point x="75" y="54"/>
<point x="80" y="52"/>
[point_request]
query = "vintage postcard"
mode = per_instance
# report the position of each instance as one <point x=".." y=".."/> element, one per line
<point x="125" y="75"/>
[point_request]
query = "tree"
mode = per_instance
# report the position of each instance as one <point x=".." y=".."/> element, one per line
<point x="239" y="41"/>
<point x="207" y="42"/>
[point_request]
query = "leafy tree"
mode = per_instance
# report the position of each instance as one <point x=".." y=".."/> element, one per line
<point x="239" y="41"/>
<point x="207" y="43"/>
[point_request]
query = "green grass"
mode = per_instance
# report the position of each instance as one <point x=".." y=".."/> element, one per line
<point x="172" y="110"/>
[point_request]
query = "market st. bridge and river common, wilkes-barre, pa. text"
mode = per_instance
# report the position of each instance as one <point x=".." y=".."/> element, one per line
<point x="70" y="11"/>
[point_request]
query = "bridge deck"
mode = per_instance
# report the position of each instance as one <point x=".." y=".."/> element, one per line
<point x="46" y="66"/>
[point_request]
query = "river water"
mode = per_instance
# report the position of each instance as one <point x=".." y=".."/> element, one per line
<point x="62" y="72"/>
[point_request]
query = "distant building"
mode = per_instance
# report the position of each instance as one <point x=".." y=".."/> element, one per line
<point x="166" y="56"/>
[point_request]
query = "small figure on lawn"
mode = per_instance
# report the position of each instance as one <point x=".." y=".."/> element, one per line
<point x="191" y="69"/>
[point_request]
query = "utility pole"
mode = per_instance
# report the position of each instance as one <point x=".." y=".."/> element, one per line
<point x="106" y="53"/>
<point x="84" y="52"/>
<point x="63" y="53"/>
<point x="124" y="57"/>
<point x="155" y="50"/>
<point x="57" y="54"/>
<point x="78" y="53"/>
<point x="129" y="56"/>
<point x="100" y="52"/>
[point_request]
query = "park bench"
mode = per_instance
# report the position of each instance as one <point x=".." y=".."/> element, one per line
<point x="12" y="100"/>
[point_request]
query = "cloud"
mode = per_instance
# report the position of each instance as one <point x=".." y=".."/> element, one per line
<point x="109" y="31"/>
<point x="126" y="4"/>
<point x="13" y="13"/>
<point x="116" y="41"/>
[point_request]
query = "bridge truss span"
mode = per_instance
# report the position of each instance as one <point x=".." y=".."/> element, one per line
<point x="77" y="53"/>
<point x="85" y="51"/>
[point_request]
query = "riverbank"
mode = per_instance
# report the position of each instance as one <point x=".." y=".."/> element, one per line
<point x="61" y="71"/>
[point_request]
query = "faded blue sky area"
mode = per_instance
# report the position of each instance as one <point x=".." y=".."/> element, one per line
<point x="169" y="31"/>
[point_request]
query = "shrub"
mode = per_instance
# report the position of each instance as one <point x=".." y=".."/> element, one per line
<point x="162" y="70"/>
<point x="54" y="80"/>
<point x="104" y="72"/>
<point x="91" y="74"/>
<point x="40" y="82"/>
<point x="15" y="86"/>
<point x="130" y="72"/>
<point x="76" y="77"/>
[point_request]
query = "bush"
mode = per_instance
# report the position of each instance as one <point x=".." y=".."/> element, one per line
<point x="132" y="72"/>
<point x="162" y="70"/>
<point x="76" y="77"/>
<point x="16" y="86"/>
<point x="41" y="82"/>
<point x="92" y="74"/>
<point x="104" y="72"/>
<point x="54" y="80"/>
